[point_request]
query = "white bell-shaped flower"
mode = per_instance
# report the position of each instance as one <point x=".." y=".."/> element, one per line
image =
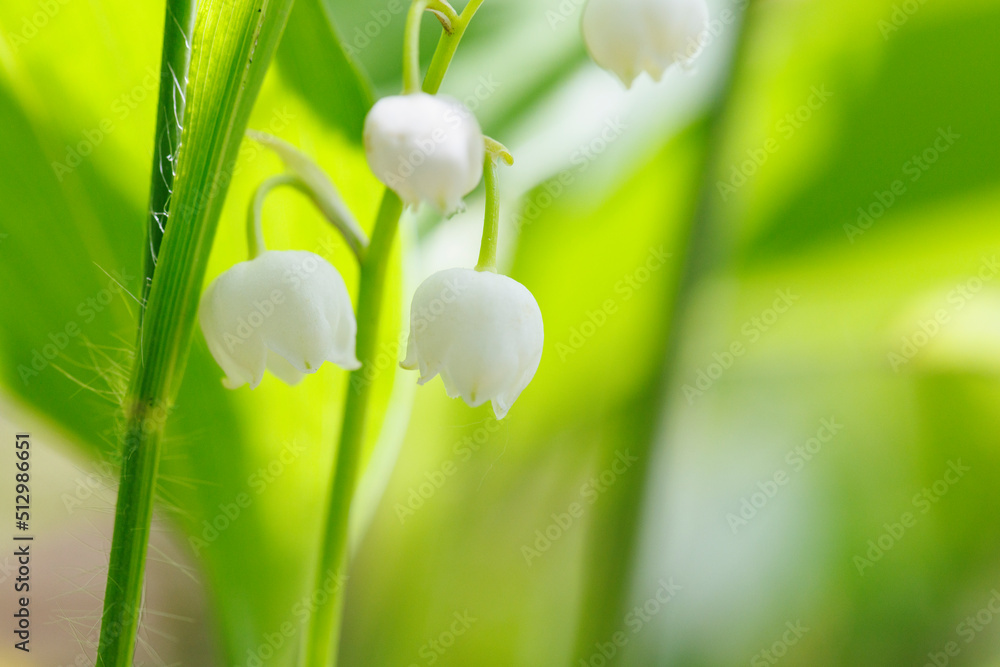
<point x="426" y="148"/>
<point x="628" y="37"/>
<point x="481" y="331"/>
<point x="287" y="311"/>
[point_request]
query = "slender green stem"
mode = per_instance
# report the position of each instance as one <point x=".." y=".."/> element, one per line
<point x="314" y="183"/>
<point x="324" y="628"/>
<point x="495" y="151"/>
<point x="337" y="215"/>
<point x="323" y="634"/>
<point x="491" y="223"/>
<point x="255" y="225"/>
<point x="447" y="47"/>
<point x="178" y="26"/>
<point x="332" y="211"/>
<point x="614" y="532"/>
<point x="411" y="38"/>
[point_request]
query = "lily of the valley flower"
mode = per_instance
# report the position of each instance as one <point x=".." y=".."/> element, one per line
<point x="426" y="148"/>
<point x="287" y="311"/>
<point x="482" y="332"/>
<point x="632" y="36"/>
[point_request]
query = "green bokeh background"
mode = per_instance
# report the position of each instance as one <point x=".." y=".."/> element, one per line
<point x="581" y="217"/>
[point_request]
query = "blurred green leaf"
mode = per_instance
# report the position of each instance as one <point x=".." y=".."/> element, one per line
<point x="314" y="63"/>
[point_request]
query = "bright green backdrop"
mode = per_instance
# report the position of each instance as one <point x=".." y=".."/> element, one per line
<point x="73" y="81"/>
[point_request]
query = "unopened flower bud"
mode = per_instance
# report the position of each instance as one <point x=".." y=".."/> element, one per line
<point x="426" y="148"/>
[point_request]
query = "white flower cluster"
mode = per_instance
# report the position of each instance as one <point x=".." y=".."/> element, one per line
<point x="482" y="332"/>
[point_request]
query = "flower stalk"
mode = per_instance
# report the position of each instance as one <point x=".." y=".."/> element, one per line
<point x="314" y="183"/>
<point x="255" y="225"/>
<point x="323" y="633"/>
<point x="495" y="151"/>
<point x="411" y="40"/>
<point x="331" y="208"/>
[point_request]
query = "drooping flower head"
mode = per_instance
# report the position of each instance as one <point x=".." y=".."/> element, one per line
<point x="482" y="332"/>
<point x="629" y="37"/>
<point x="427" y="148"/>
<point x="287" y="311"/>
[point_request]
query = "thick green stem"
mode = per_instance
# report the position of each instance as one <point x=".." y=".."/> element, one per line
<point x="133" y="517"/>
<point x="178" y="27"/>
<point x="222" y="92"/>
<point x="323" y="634"/>
<point x="140" y="453"/>
<point x="613" y="534"/>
